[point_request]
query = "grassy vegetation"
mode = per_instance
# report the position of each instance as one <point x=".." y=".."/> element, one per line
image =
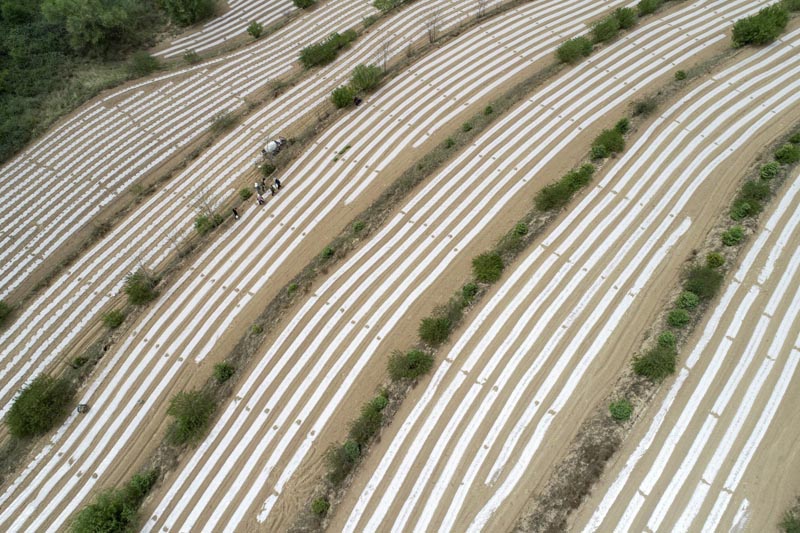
<point x="790" y="522"/>
<point x="39" y="406"/>
<point x="192" y="411"/>
<point x="114" y="318"/>
<point x="325" y="52"/>
<point x="409" y="365"/>
<point x="140" y="287"/>
<point x="487" y="267"/>
<point x="255" y="29"/>
<point x="574" y="50"/>
<point x="116" y="510"/>
<point x="621" y="410"/>
<point x="223" y="372"/>
<point x="343" y="96"/>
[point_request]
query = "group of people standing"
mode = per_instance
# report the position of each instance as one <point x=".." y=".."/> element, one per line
<point x="261" y="190"/>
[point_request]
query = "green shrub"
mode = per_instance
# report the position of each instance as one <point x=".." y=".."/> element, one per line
<point x="790" y="523"/>
<point x="358" y="226"/>
<point x="326" y="51"/>
<point x="646" y="7"/>
<point x="607" y="143"/>
<point x="666" y="340"/>
<point x="465" y="127"/>
<point x="186" y="12"/>
<point x="140" y="287"/>
<point x="687" y="300"/>
<point x="380" y="402"/>
<point x="715" y="260"/>
<point x="255" y="29"/>
<point x="320" y="506"/>
<point x="657" y="363"/>
<point x="468" y="293"/>
<point x="733" y="236"/>
<point x="79" y="362"/>
<point x="142" y="64"/>
<point x="256" y="329"/>
<point x="291" y="289"/>
<point x="623" y="126"/>
<point x="621" y="410"/>
<point x="222" y="121"/>
<point x="223" y="371"/>
<point x="207" y="222"/>
<point x="574" y="50"/>
<point x="386" y="5"/>
<point x="327" y="252"/>
<point x="304" y="4"/>
<point x="113" y="319"/>
<point x="245" y="193"/>
<point x="488" y="110"/>
<point x="520" y="228"/>
<point x="449" y="142"/>
<point x="770" y="170"/>
<point x="761" y="28"/>
<point x="749" y="200"/>
<point x="703" y="281"/>
<point x="409" y="365"/>
<point x="267" y="169"/>
<point x="791" y="5"/>
<point x="191" y="57"/>
<point x="192" y="411"/>
<point x="366" y="426"/>
<point x="369" y="20"/>
<point x="5" y="311"/>
<point x="678" y="318"/>
<point x="341" y="461"/>
<point x="366" y="78"/>
<point x="487" y="267"/>
<point x="606" y="29"/>
<point x="680" y="75"/>
<point x="742" y="209"/>
<point x="645" y="106"/>
<point x="795" y="139"/>
<point x="351" y="450"/>
<point x="788" y="154"/>
<point x="116" y="510"/>
<point x="343" y="96"/>
<point x="40" y="405"/>
<point x="434" y="330"/>
<point x="626" y="17"/>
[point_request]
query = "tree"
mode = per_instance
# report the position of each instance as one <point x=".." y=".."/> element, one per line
<point x="192" y="411"/>
<point x="761" y="28"/>
<point x="39" y="406"/>
<point x="255" y="29"/>
<point x="186" y="12"/>
<point x="366" y="77"/>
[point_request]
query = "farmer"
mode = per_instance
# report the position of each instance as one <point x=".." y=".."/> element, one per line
<point x="259" y="199"/>
<point x="277" y="183"/>
<point x="235" y="214"/>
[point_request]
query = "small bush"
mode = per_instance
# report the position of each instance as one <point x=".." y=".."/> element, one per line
<point x="192" y="411"/>
<point x="703" y="281"/>
<point x="790" y="523"/>
<point x="644" y="107"/>
<point x="409" y="365"/>
<point x="488" y="110"/>
<point x="666" y="340"/>
<point x="449" y="143"/>
<point x="749" y="200"/>
<point x="116" y="510"/>
<point x="366" y="78"/>
<point x="606" y="29"/>
<point x="142" y="64"/>
<point x="320" y="506"/>
<point x="465" y="127"/>
<point x="687" y="300"/>
<point x="574" y="50"/>
<point x="367" y="425"/>
<point x="795" y="139"/>
<point x="680" y="75"/>
<point x="657" y="363"/>
<point x="113" y="319"/>
<point x="255" y="29"/>
<point x="326" y="51"/>
<point x="255" y="329"/>
<point x="223" y="372"/>
<point x="434" y="330"/>
<point x="646" y="7"/>
<point x="191" y="57"/>
<point x="770" y="170"/>
<point x="291" y="289"/>
<point x="607" y="143"/>
<point x="761" y="28"/>
<point x="621" y="410"/>
<point x="79" y="362"/>
<point x="351" y="450"/>
<point x="487" y="267"/>
<point x="203" y="224"/>
<point x="222" y="121"/>
<point x="520" y="229"/>
<point x="267" y="169"/>
<point x="5" y="311"/>
<point x="623" y="126"/>
<point x="40" y="405"/>
<point x="245" y="193"/>
<point x="186" y="12"/>
<point x="343" y="96"/>
<point x="678" y="318"/>
<point x="358" y="226"/>
<point x="140" y="287"/>
<point x="788" y="154"/>
<point x="626" y="17"/>
<point x="327" y="252"/>
<point x="304" y="4"/>
<point x="380" y="402"/>
<point x="386" y="5"/>
<point x="733" y="236"/>
<point x="369" y="20"/>
<point x="468" y="293"/>
<point x="715" y="260"/>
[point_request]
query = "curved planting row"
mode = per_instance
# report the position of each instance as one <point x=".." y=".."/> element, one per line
<point x="99" y="153"/>
<point x="273" y="428"/>
<point x="51" y="322"/>
<point x="727" y="404"/>
<point x="523" y="370"/>
<point x="185" y="324"/>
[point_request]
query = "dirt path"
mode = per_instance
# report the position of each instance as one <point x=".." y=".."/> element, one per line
<point x="517" y="383"/>
<point x="213" y="302"/>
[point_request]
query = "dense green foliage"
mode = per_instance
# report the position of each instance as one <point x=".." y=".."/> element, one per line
<point x="678" y="318"/>
<point x="626" y="17"/>
<point x="255" y="29"/>
<point x="326" y="51"/>
<point x="558" y="194"/>
<point x="186" y="12"/>
<point x="606" y="29"/>
<point x="5" y="311"/>
<point x="116" y="511"/>
<point x="715" y="260"/>
<point x="621" y="410"/>
<point x="574" y="50"/>
<point x="409" y="365"/>
<point x="646" y="7"/>
<point x="607" y="143"/>
<point x="761" y="28"/>
<point x="788" y="154"/>
<point x="223" y="371"/>
<point x="142" y="64"/>
<point x="487" y="267"/>
<point x="434" y="330"/>
<point x="687" y="300"/>
<point x="366" y="426"/>
<point x="703" y="281"/>
<point x="657" y="363"/>
<point x="192" y="411"/>
<point x="733" y="236"/>
<point x="343" y="96"/>
<point x="304" y="4"/>
<point x="140" y="287"/>
<point x="749" y="201"/>
<point x="40" y="405"/>
<point x="320" y="506"/>
<point x="366" y="78"/>
<point x="113" y="319"/>
<point x="790" y="523"/>
<point x="770" y="170"/>
<point x="386" y="5"/>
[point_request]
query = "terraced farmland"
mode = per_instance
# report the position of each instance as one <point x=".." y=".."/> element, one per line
<point x="471" y="444"/>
